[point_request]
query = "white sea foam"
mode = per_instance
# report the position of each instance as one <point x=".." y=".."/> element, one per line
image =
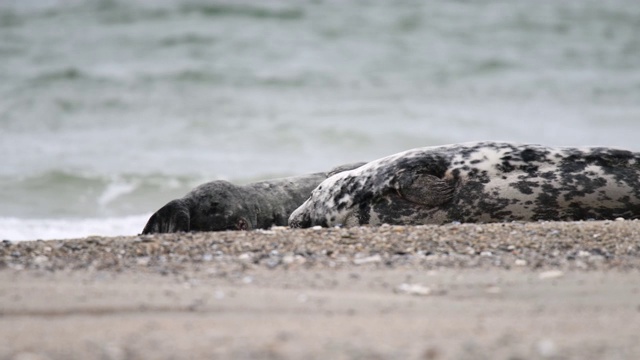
<point x="114" y="191"/>
<point x="16" y="229"/>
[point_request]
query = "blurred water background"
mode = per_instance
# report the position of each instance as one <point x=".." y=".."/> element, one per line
<point x="109" y="109"/>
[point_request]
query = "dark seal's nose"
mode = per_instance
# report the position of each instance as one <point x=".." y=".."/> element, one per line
<point x="300" y="221"/>
<point x="173" y="217"/>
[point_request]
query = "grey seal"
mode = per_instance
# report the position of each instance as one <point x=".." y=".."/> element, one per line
<point x="479" y="182"/>
<point x="220" y="205"/>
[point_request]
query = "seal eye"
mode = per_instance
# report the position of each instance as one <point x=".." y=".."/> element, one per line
<point x="242" y="224"/>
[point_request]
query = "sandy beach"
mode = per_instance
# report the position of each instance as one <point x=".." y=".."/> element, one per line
<point x="493" y="291"/>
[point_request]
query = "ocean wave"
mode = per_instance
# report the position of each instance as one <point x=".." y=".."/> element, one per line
<point x="243" y="10"/>
<point x="64" y="194"/>
<point x="67" y="74"/>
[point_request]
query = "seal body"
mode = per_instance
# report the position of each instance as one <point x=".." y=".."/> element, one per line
<point x="479" y="182"/>
<point x="221" y="205"/>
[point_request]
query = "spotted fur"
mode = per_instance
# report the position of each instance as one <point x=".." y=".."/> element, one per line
<point x="479" y="182"/>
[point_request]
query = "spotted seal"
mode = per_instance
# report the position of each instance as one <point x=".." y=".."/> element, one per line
<point x="479" y="182"/>
<point x="220" y="205"/>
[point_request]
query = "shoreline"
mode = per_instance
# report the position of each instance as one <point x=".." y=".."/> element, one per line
<point x="589" y="245"/>
<point x="552" y="290"/>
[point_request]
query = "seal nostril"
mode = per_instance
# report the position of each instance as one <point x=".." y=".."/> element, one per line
<point x="242" y="225"/>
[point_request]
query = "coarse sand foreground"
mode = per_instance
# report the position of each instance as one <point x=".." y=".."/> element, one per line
<point x="550" y="290"/>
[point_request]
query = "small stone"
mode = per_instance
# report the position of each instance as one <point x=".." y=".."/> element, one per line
<point x="370" y="259"/>
<point x="546" y="348"/>
<point x="486" y="254"/>
<point x="580" y="264"/>
<point x="413" y="289"/>
<point x="272" y="262"/>
<point x="551" y="274"/>
<point x="620" y="219"/>
<point x="317" y="227"/>
<point x="40" y="259"/>
<point x="520" y="262"/>
<point x="247" y="279"/>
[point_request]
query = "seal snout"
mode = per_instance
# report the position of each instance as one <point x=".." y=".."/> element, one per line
<point x="300" y="219"/>
<point x="173" y="217"/>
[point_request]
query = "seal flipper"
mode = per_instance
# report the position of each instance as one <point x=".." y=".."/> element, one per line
<point x="173" y="217"/>
<point x="424" y="189"/>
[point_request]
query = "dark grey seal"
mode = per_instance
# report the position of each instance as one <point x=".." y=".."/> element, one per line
<point x="479" y="182"/>
<point x="221" y="205"/>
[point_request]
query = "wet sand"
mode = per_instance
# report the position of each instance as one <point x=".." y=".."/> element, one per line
<point x="495" y="291"/>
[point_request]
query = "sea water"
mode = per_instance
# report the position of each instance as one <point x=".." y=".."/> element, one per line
<point x="109" y="109"/>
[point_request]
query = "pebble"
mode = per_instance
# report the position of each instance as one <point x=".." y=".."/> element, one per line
<point x="520" y="262"/>
<point x="413" y="289"/>
<point x="40" y="259"/>
<point x="546" y="348"/>
<point x="367" y="260"/>
<point x="551" y="274"/>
